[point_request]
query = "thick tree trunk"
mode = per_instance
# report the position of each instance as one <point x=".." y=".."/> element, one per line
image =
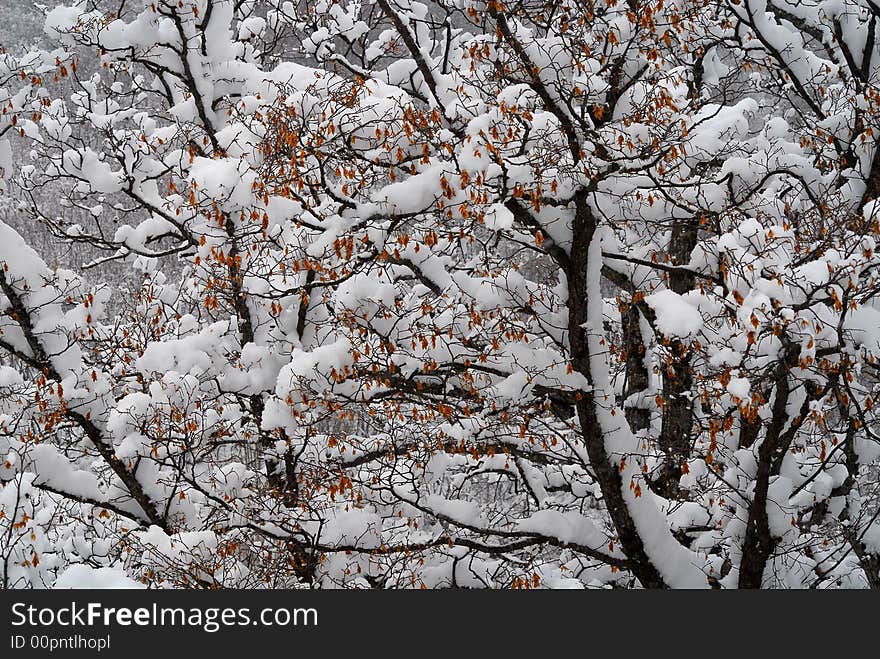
<point x="675" y="432"/>
<point x="638" y="417"/>
<point x="759" y="542"/>
<point x="584" y="227"/>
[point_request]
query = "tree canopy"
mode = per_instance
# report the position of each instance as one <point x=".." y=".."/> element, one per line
<point x="454" y="293"/>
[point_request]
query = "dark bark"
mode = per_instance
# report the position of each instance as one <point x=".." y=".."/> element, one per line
<point x="607" y="475"/>
<point x="675" y="433"/>
<point x="280" y="474"/>
<point x="636" y="370"/>
<point x="759" y="543"/>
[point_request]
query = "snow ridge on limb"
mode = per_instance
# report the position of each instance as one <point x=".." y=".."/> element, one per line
<point x="679" y="566"/>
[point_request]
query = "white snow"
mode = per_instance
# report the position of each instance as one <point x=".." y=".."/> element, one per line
<point x="675" y="316"/>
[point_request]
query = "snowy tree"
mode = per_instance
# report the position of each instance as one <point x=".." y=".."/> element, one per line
<point x="446" y="294"/>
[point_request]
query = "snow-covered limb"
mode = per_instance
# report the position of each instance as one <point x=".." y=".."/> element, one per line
<point x="406" y="294"/>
